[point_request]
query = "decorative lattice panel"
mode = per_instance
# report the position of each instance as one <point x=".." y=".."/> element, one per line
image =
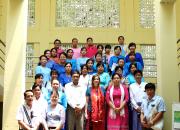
<point x="147" y="11"/>
<point x="149" y="56"/>
<point x="31" y="12"/>
<point x="29" y="60"/>
<point x="87" y="13"/>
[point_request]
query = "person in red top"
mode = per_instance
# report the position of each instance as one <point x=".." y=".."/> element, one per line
<point x="91" y="48"/>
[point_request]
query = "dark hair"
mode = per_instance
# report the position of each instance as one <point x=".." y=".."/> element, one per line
<point x="120" y="59"/>
<point x="117" y="68"/>
<point x="132" y="54"/>
<point x="37" y="76"/>
<point x="69" y="50"/>
<point x="120" y="37"/>
<point x="90" y="60"/>
<point x="116" y="47"/>
<point x="57" y="40"/>
<point x="138" y="71"/>
<point x="150" y="86"/>
<point x="98" y="53"/>
<point x="93" y="78"/>
<point x="46" y="51"/>
<point x="131" y="44"/>
<point x="82" y="66"/>
<point x="29" y="90"/>
<point x="42" y="56"/>
<point x="67" y="64"/>
<point x="54" y="91"/>
<point x="132" y="65"/>
<point x="116" y="74"/>
<point x="99" y="64"/>
<point x="35" y="86"/>
<point x="108" y="46"/>
<point x="83" y="48"/>
<point x="54" y="71"/>
<point x="74" y="39"/>
<point x="53" y="49"/>
<point x="75" y="72"/>
<point x="100" y="45"/>
<point x="89" y="38"/>
<point x="53" y="80"/>
<point x="63" y="53"/>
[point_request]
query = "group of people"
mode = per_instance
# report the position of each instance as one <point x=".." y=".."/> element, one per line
<point x="90" y="88"/>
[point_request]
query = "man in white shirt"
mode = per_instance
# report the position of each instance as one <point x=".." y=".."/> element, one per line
<point x="137" y="94"/>
<point x="27" y="115"/>
<point x="76" y="99"/>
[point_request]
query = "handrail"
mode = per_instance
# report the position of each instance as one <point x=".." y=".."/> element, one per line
<point x="1" y="67"/>
<point x="2" y="59"/>
<point x="2" y="43"/>
<point x="2" y="51"/>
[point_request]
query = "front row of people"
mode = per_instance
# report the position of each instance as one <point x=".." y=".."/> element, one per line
<point x="89" y="103"/>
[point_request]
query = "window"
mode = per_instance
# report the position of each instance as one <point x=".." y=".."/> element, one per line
<point x="31" y="12"/>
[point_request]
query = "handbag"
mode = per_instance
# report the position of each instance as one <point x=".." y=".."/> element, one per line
<point x="159" y="124"/>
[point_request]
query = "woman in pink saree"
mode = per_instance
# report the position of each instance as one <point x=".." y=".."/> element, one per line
<point x="117" y="97"/>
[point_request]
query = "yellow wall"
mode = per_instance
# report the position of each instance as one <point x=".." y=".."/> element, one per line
<point x="45" y="31"/>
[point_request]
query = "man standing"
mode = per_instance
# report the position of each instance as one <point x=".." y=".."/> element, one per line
<point x="75" y="48"/>
<point x="76" y="99"/>
<point x="153" y="108"/>
<point x="122" y="45"/>
<point x="27" y="115"/>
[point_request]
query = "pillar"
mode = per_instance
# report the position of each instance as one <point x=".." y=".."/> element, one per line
<point x="167" y="74"/>
<point x="14" y="75"/>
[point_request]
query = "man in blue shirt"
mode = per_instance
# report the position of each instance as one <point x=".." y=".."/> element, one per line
<point x="153" y="108"/>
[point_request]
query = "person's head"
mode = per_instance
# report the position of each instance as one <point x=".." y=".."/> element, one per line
<point x="138" y="75"/>
<point x="150" y="90"/>
<point x="36" y="90"/>
<point x="121" y="40"/>
<point x="55" y="84"/>
<point x="74" y="42"/>
<point x="121" y="62"/>
<point x="62" y="58"/>
<point x="53" y="52"/>
<point x="132" y="57"/>
<point x="28" y="97"/>
<point x="70" y="53"/>
<point x="119" y="70"/>
<point x="90" y="63"/>
<point x="54" y="74"/>
<point x="117" y="50"/>
<point x="100" y="48"/>
<point x="39" y="79"/>
<point x="43" y="60"/>
<point x="84" y="69"/>
<point x="68" y="67"/>
<point x="83" y="51"/>
<point x="100" y="68"/>
<point x="116" y="78"/>
<point x="107" y="48"/>
<point x="57" y="43"/>
<point x="75" y="77"/>
<point x="47" y="53"/>
<point x="89" y="41"/>
<point x="95" y="81"/>
<point x="132" y="47"/>
<point x="54" y="97"/>
<point x="132" y="67"/>
<point x="98" y="57"/>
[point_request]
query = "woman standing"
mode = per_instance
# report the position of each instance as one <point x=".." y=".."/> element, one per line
<point x="55" y="113"/>
<point x="95" y="106"/>
<point x="117" y="98"/>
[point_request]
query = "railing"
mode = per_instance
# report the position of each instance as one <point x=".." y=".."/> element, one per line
<point x="178" y="52"/>
<point x="2" y="54"/>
